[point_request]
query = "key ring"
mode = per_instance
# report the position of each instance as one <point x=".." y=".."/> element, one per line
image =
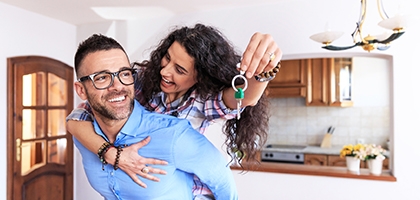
<point x="241" y="75"/>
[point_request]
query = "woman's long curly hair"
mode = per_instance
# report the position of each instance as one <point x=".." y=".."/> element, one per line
<point x="215" y="62"/>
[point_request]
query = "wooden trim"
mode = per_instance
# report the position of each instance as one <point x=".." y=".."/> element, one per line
<point x="340" y="172"/>
<point x="10" y="126"/>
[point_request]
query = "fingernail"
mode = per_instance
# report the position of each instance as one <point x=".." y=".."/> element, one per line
<point x="248" y="74"/>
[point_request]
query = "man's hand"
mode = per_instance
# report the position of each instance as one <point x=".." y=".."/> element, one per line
<point x="133" y="164"/>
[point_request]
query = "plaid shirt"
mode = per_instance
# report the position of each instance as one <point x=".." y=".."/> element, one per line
<point x="201" y="113"/>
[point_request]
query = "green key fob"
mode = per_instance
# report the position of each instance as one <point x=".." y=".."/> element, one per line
<point x="239" y="94"/>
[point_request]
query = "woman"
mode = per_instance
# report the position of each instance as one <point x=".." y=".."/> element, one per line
<point x="189" y="76"/>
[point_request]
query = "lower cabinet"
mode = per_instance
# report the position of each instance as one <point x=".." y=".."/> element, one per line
<point x="316" y="159"/>
<point x="341" y="162"/>
<point x="334" y="160"/>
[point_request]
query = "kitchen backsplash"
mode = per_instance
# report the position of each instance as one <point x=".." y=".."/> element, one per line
<point x="293" y="123"/>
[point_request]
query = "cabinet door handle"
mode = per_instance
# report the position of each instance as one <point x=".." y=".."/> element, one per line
<point x="18" y="149"/>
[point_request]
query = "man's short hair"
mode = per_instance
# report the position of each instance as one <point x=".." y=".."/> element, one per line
<point x="96" y="42"/>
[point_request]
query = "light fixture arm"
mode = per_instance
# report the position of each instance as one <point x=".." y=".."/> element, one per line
<point x="381" y="10"/>
<point x="391" y="38"/>
<point x="359" y="26"/>
<point x="368" y="43"/>
<point x="336" y="48"/>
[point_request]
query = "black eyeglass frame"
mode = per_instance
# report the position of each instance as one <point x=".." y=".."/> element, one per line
<point x="113" y="75"/>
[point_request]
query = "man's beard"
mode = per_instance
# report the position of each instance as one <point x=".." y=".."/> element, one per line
<point x="108" y="113"/>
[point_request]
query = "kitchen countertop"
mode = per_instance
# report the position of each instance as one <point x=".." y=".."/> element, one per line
<point x="334" y="150"/>
<point x="332" y="171"/>
<point x="339" y="172"/>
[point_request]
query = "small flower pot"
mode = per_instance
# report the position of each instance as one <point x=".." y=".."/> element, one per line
<point x="375" y="166"/>
<point x="353" y="164"/>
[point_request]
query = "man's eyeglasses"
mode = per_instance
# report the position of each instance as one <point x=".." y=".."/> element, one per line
<point x="104" y="80"/>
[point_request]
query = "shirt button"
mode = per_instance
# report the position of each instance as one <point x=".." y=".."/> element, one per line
<point x="112" y="173"/>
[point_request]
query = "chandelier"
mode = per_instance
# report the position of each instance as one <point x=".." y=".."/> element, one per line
<point x="369" y="42"/>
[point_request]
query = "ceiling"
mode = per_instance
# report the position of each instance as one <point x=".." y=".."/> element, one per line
<point x="92" y="11"/>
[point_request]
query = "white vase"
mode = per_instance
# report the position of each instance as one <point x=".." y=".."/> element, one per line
<point x="353" y="164"/>
<point x="375" y="166"/>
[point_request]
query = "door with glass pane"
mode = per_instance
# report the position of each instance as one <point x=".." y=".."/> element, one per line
<point x="40" y="151"/>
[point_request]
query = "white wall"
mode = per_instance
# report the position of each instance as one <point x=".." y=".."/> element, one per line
<point x="26" y="33"/>
<point x="291" y="23"/>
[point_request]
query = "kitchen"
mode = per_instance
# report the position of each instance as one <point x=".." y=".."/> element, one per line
<point x="313" y="135"/>
<point x="367" y="120"/>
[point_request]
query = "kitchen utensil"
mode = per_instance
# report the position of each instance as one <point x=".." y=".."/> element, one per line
<point x="326" y="142"/>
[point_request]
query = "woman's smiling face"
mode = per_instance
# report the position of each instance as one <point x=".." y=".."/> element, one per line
<point x="178" y="72"/>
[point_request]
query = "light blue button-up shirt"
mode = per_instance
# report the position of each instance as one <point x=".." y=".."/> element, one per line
<point x="187" y="152"/>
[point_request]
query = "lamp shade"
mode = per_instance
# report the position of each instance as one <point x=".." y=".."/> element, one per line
<point x="398" y="22"/>
<point x="326" y="37"/>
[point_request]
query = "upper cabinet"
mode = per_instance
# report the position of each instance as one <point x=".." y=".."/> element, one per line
<point x="329" y="82"/>
<point x="322" y="81"/>
<point x="290" y="81"/>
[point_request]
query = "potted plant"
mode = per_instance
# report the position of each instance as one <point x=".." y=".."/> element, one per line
<point x="353" y="155"/>
<point x="374" y="156"/>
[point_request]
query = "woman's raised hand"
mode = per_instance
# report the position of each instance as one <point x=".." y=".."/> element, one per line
<point x="261" y="55"/>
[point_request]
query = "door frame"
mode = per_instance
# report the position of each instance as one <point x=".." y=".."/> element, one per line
<point x="11" y="119"/>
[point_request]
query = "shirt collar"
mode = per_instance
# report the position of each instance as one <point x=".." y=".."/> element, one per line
<point x="130" y="126"/>
<point x="177" y="104"/>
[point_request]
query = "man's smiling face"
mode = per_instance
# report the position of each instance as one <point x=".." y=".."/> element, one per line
<point x="115" y="102"/>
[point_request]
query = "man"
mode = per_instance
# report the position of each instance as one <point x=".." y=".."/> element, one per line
<point x="106" y="79"/>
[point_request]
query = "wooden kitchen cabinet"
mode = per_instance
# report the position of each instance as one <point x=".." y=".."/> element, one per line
<point x="290" y="81"/>
<point x="341" y="162"/>
<point x="329" y="82"/>
<point x="316" y="159"/>
<point x="336" y="161"/>
<point x="322" y="81"/>
<point x="385" y="164"/>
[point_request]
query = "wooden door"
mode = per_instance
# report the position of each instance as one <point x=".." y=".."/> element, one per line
<point x="318" y="87"/>
<point x="336" y="161"/>
<point x="316" y="159"/>
<point x="39" y="149"/>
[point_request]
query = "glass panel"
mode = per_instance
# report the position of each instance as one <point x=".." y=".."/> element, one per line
<point x="33" y="156"/>
<point x="33" y="125"/>
<point x="57" y="88"/>
<point x="33" y="92"/>
<point x="57" y="150"/>
<point x="345" y="79"/>
<point x="56" y="122"/>
<point x="345" y="83"/>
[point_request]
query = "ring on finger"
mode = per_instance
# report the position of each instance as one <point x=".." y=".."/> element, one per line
<point x="272" y="56"/>
<point x="145" y="170"/>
